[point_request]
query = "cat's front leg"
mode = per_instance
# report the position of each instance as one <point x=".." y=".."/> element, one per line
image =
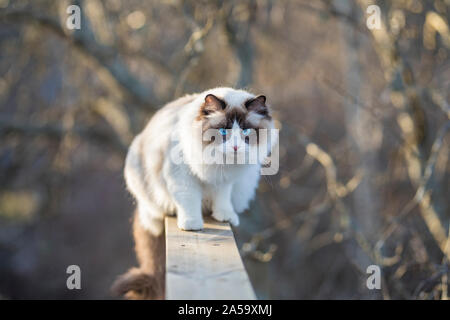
<point x="187" y="196"/>
<point x="221" y="205"/>
<point x="189" y="213"/>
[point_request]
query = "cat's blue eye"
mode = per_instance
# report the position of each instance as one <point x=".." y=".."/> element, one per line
<point x="223" y="131"/>
<point x="246" y="132"/>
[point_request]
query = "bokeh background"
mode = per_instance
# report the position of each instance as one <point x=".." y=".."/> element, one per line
<point x="364" y="146"/>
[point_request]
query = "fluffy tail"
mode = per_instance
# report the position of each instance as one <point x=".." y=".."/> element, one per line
<point x="147" y="281"/>
<point x="137" y="285"/>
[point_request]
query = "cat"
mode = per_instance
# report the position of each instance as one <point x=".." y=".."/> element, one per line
<point x="192" y="158"/>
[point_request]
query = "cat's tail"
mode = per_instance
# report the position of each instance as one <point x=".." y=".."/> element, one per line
<point x="136" y="284"/>
<point x="147" y="281"/>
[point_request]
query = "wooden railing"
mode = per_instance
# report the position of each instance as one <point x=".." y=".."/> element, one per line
<point x="204" y="264"/>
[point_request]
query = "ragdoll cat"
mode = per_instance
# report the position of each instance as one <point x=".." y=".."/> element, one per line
<point x="193" y="157"/>
<point x="164" y="185"/>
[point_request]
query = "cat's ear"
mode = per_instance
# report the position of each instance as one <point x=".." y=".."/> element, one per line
<point x="257" y="105"/>
<point x="212" y="103"/>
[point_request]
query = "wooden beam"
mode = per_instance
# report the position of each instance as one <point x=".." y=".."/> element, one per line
<point x="204" y="264"/>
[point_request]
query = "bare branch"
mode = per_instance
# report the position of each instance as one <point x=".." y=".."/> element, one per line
<point x="57" y="131"/>
<point x="105" y="57"/>
<point x="239" y="38"/>
<point x="193" y="48"/>
<point x="422" y="192"/>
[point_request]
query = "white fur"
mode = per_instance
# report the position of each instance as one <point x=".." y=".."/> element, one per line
<point x="189" y="188"/>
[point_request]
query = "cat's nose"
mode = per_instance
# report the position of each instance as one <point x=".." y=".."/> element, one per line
<point x="235" y="148"/>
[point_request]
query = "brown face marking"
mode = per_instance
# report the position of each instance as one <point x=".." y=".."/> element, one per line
<point x="214" y="106"/>
<point x="258" y="105"/>
<point x="211" y="105"/>
<point x="235" y="115"/>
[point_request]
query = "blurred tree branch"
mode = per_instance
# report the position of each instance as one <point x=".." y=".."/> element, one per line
<point x="58" y="131"/>
<point x="328" y="9"/>
<point x="106" y="57"/>
<point x="238" y="32"/>
<point x="193" y="48"/>
<point x="411" y="121"/>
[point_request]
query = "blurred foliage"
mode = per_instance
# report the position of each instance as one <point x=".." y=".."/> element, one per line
<point x="364" y="146"/>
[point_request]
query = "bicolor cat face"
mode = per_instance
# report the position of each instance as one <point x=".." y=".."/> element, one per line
<point x="231" y="126"/>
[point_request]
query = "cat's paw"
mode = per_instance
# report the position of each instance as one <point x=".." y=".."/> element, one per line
<point x="190" y="224"/>
<point x="226" y="216"/>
